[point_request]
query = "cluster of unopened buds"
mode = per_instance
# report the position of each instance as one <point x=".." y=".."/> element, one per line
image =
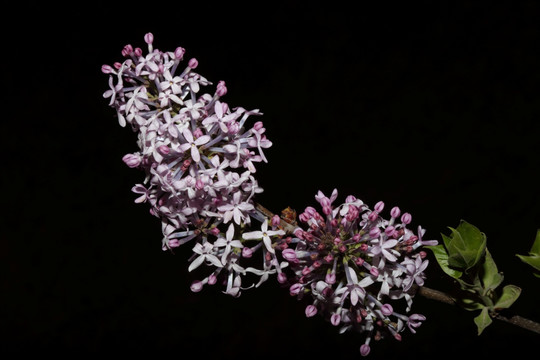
<point x="199" y="156"/>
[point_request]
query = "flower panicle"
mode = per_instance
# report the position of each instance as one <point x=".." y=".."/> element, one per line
<point x="352" y="265"/>
<point x="198" y="154"/>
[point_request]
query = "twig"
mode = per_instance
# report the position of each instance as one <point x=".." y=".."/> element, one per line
<point x="425" y="291"/>
<point x="447" y="299"/>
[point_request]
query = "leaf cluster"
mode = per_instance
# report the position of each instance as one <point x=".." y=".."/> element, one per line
<point x="464" y="256"/>
<point x="533" y="259"/>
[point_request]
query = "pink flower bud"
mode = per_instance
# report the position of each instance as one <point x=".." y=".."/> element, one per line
<point x="247" y="252"/>
<point x="359" y="261"/>
<point x="276" y="220"/>
<point x="350" y="199"/>
<point x="364" y="247"/>
<point x="311" y="311"/>
<point x="375" y="232"/>
<point x="389" y="230"/>
<point x="306" y="270"/>
<point x="221" y="89"/>
<point x="387" y="309"/>
<point x="138" y="51"/>
<point x="406" y="218"/>
<point x="193" y="63"/>
<point x="164" y="150"/>
<point x="174" y="243"/>
<point x="214" y="231"/>
<point x="127" y="50"/>
<point x="197" y="133"/>
<point x="374" y="271"/>
<point x="233" y="127"/>
<point x="212" y="279"/>
<point x="330" y="278"/>
<point x="364" y="350"/>
<point x="179" y="53"/>
<point x="196" y="286"/>
<point x="289" y="254"/>
<point x="107" y="69"/>
<point x="379" y="207"/>
<point x="149" y="38"/>
<point x="132" y="160"/>
<point x="282" y="278"/>
<point x="335" y="319"/>
<point x="199" y="184"/>
<point x="373" y="216"/>
<point x="395" y="212"/>
<point x="327" y="210"/>
<point x="295" y="288"/>
<point x="258" y="125"/>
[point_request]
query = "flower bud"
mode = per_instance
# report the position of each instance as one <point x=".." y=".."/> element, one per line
<point x="247" y="252"/>
<point x="179" y="53"/>
<point x="212" y="279"/>
<point x="387" y="309"/>
<point x="379" y="207"/>
<point x="107" y="69"/>
<point x="389" y="230"/>
<point x="164" y="150"/>
<point x="295" y="288"/>
<point x="406" y="218"/>
<point x="221" y="89"/>
<point x="311" y="310"/>
<point x="127" y="50"/>
<point x="282" y="278"/>
<point x="149" y="38"/>
<point x="335" y="319"/>
<point x="373" y="216"/>
<point x="395" y="212"/>
<point x="132" y="160"/>
<point x="193" y="63"/>
<point x="375" y="232"/>
<point x="330" y="278"/>
<point x="364" y="350"/>
<point x="289" y="254"/>
<point x="276" y="220"/>
<point x="196" y="286"/>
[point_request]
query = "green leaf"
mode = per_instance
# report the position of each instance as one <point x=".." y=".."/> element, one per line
<point x="491" y="277"/>
<point x="466" y="246"/>
<point x="509" y="295"/>
<point x="469" y="303"/>
<point x="533" y="261"/>
<point x="483" y="320"/>
<point x="535" y="249"/>
<point x="442" y="259"/>
<point x="534" y="256"/>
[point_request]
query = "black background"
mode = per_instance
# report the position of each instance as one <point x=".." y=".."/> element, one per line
<point x="430" y="106"/>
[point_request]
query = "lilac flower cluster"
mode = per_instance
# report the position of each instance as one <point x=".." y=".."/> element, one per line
<point x="351" y="264"/>
<point x="197" y="155"/>
<point x="199" y="159"/>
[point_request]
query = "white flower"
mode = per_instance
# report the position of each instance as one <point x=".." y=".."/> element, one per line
<point x="264" y="234"/>
<point x="205" y="254"/>
<point x="228" y="243"/>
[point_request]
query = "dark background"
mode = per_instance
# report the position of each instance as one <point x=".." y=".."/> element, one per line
<point x="431" y="106"/>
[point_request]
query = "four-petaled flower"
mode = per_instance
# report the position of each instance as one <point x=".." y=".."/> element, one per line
<point x="228" y="243"/>
<point x="236" y="210"/>
<point x="193" y="144"/>
<point x="264" y="234"/>
<point x="205" y="252"/>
